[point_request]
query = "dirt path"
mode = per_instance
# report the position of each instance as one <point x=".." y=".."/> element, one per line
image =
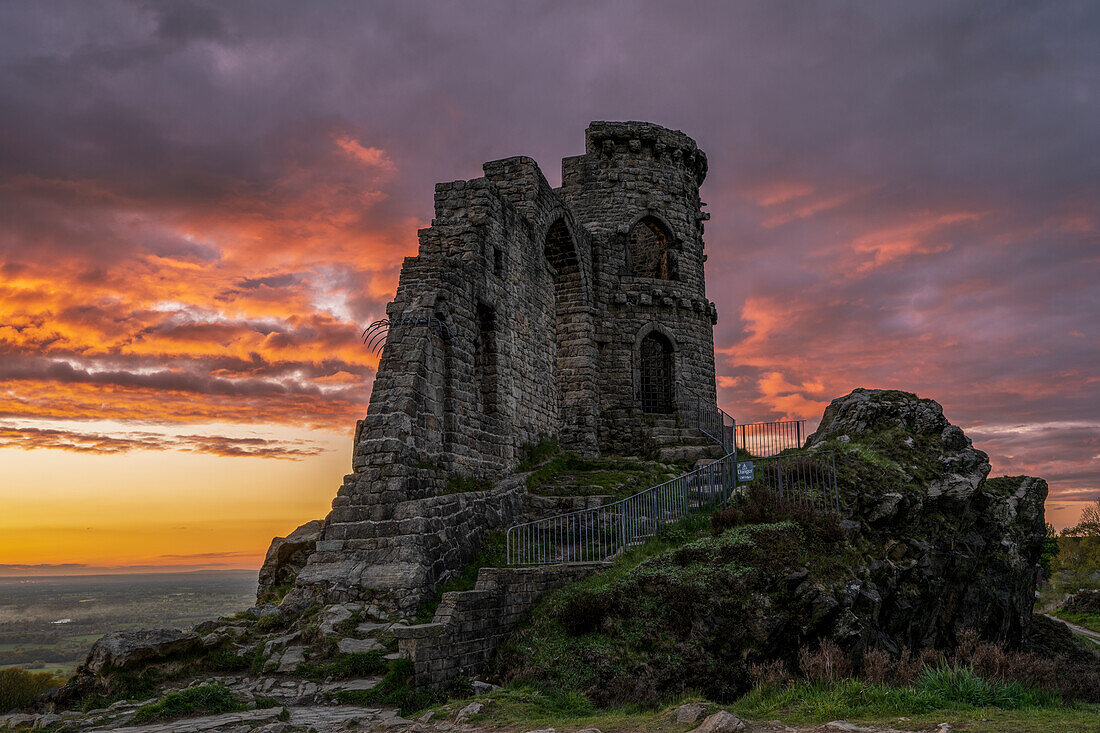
<point x="1089" y="634"/>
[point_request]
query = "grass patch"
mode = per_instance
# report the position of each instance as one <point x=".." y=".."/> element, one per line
<point x="536" y="454"/>
<point x="934" y="690"/>
<point x="567" y="474"/>
<point x="275" y="594"/>
<point x="18" y="687"/>
<point x="199" y="700"/>
<point x="1090" y="621"/>
<point x="343" y="666"/>
<point x="460" y="484"/>
<point x="395" y="689"/>
<point x="492" y="553"/>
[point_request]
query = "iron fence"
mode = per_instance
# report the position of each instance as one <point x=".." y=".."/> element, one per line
<point x="807" y="479"/>
<point x="601" y="533"/>
<point x="709" y="419"/>
<point x="762" y="439"/>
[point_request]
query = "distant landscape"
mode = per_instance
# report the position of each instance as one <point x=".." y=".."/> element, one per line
<point x="49" y="623"/>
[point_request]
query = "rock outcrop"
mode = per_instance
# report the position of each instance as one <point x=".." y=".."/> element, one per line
<point x="959" y="550"/>
<point x="286" y="557"/>
<point x="926" y="547"/>
<point x="120" y="655"/>
<point x="1083" y="601"/>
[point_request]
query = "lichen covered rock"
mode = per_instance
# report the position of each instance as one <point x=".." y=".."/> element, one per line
<point x="926" y="547"/>
<point x="960" y="550"/>
<point x="285" y="558"/>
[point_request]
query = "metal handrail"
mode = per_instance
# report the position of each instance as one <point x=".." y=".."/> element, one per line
<point x="762" y="439"/>
<point x="710" y="419"/>
<point x="606" y="530"/>
<point x="600" y="533"/>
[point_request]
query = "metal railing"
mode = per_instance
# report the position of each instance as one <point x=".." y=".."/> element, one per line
<point x="762" y="439"/>
<point x="709" y="419"/>
<point x="806" y="479"/>
<point x="601" y="533"/>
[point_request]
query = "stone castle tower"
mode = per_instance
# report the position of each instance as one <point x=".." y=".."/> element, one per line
<point x="578" y="312"/>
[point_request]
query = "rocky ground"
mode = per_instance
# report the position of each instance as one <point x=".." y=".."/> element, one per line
<point x="692" y="717"/>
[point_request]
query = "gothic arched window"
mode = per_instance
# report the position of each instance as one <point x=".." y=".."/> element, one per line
<point x="651" y="253"/>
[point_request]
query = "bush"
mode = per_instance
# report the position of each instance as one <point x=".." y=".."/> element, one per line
<point x="19" y="688"/>
<point x="535" y="454"/>
<point x="758" y="505"/>
<point x="202" y="699"/>
<point x="828" y="663"/>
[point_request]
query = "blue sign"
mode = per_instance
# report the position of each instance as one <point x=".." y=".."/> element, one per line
<point x="744" y="471"/>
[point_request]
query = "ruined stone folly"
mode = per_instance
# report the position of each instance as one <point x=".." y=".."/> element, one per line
<point x="578" y="313"/>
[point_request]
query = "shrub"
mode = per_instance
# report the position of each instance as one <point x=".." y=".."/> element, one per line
<point x="19" y="688"/>
<point x="535" y="454"/>
<point x="961" y="686"/>
<point x="758" y="505"/>
<point x="828" y="663"/>
<point x="202" y="699"/>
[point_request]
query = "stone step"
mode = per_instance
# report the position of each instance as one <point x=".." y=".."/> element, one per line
<point x="689" y="452"/>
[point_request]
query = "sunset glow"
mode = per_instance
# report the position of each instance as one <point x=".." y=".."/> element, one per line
<point x="201" y="208"/>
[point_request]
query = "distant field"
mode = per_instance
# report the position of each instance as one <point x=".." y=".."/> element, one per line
<point x="48" y="623"/>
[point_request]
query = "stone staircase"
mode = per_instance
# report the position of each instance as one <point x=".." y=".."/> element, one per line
<point x="677" y="444"/>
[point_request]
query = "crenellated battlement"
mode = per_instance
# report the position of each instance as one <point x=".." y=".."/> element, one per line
<point x="647" y="141"/>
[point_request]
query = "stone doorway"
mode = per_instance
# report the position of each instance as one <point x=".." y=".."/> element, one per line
<point x="656" y="374"/>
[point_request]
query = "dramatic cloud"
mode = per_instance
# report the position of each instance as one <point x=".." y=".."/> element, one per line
<point x="202" y="204"/>
<point x="29" y="438"/>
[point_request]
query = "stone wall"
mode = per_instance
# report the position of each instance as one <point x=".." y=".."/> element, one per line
<point x="470" y="625"/>
<point x="397" y="555"/>
<point x="522" y="315"/>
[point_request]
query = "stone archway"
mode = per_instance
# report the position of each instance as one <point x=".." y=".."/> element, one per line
<point x="574" y="372"/>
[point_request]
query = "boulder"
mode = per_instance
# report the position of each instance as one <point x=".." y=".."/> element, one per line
<point x="1083" y="601"/>
<point x="121" y="650"/>
<point x="721" y="722"/>
<point x="690" y="712"/>
<point x="286" y="557"/>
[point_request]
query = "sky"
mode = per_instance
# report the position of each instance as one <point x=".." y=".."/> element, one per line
<point x="202" y="204"/>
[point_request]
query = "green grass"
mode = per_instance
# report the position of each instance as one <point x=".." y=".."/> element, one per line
<point x="1090" y="621"/>
<point x="491" y="554"/>
<point x="18" y="687"/>
<point x="343" y="666"/>
<point x="275" y="593"/>
<point x="567" y="474"/>
<point x="200" y="700"/>
<point x="460" y="484"/>
<point x="936" y="690"/>
<point x="954" y="697"/>
<point x="536" y="454"/>
<point x="395" y="689"/>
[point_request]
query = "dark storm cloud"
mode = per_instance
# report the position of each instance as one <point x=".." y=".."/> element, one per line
<point x="903" y="194"/>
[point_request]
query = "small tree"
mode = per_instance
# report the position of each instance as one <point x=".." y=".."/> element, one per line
<point x="1050" y="550"/>
<point x="1089" y="526"/>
